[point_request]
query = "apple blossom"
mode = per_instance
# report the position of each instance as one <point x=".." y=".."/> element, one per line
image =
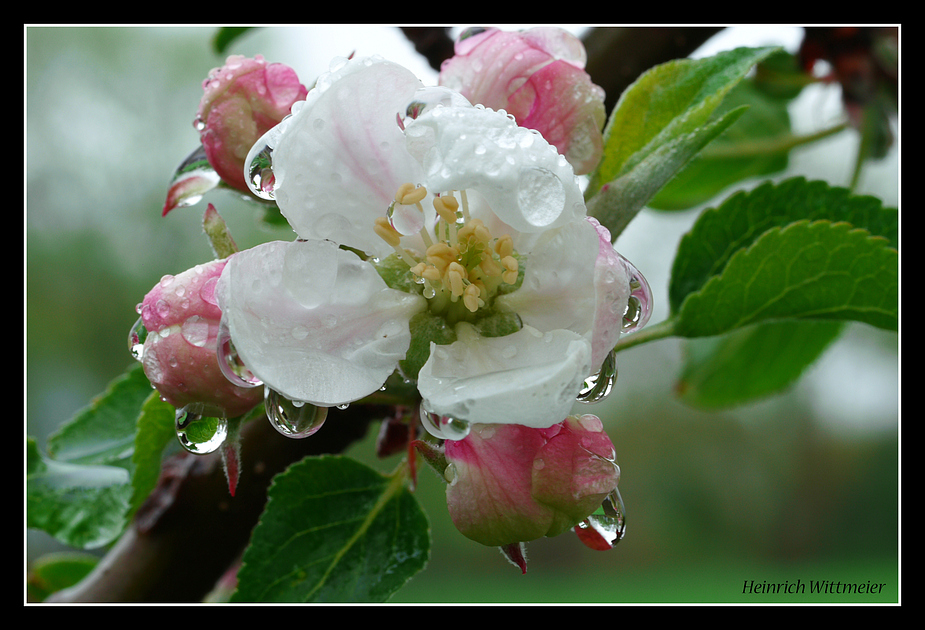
<point x="538" y="76"/>
<point x="511" y="484"/>
<point x="175" y="339"/>
<point x="241" y="101"/>
<point x="436" y="237"/>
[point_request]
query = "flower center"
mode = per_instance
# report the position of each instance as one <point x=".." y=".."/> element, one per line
<point x="463" y="262"/>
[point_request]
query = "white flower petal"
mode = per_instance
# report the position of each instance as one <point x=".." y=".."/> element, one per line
<point x="527" y="378"/>
<point x="314" y="322"/>
<point x="558" y="287"/>
<point x="342" y="154"/>
<point x="612" y="291"/>
<point x="521" y="176"/>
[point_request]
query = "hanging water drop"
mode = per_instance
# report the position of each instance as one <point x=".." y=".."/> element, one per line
<point x="606" y="527"/>
<point x="639" y="306"/>
<point x="200" y="434"/>
<point x="136" y="340"/>
<point x="405" y="219"/>
<point x="259" y="163"/>
<point x="598" y="386"/>
<point x="444" y="427"/>
<point x="230" y="363"/>
<point x="454" y="428"/>
<point x="294" y="419"/>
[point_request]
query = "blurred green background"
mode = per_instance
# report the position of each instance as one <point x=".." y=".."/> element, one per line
<point x="803" y="485"/>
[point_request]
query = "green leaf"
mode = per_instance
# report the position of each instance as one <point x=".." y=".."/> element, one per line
<point x="155" y="430"/>
<point x="671" y="109"/>
<point x="81" y="493"/>
<point x="226" y="35"/>
<point x="751" y="363"/>
<point x="758" y="144"/>
<point x="104" y="431"/>
<point x="54" y="572"/>
<point x="81" y="506"/>
<point x="334" y="530"/>
<point x="620" y="200"/>
<point x="815" y="270"/>
<point x="721" y="232"/>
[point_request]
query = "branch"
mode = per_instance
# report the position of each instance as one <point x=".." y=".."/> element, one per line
<point x="190" y="530"/>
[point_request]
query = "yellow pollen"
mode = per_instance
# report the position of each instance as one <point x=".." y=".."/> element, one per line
<point x="464" y="261"/>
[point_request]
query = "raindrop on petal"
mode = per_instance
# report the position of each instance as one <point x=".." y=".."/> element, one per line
<point x="453" y="428"/>
<point x="200" y="434"/>
<point x="259" y="163"/>
<point x="230" y="363"/>
<point x="136" y="339"/>
<point x="444" y="427"/>
<point x="292" y="418"/>
<point x="639" y="307"/>
<point x="405" y="219"/>
<point x="598" y="386"/>
<point x="429" y="98"/>
<point x="602" y="531"/>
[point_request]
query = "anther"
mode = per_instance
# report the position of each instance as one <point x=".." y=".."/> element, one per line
<point x="390" y="235"/>
<point x="408" y="194"/>
<point x="510" y="265"/>
<point x="471" y="298"/>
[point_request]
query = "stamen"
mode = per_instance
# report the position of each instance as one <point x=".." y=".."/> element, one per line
<point x="510" y="265"/>
<point x="390" y="235"/>
<point x="408" y="194"/>
<point x="446" y="208"/>
<point x="471" y="298"/>
<point x="466" y="262"/>
<point x="465" y="205"/>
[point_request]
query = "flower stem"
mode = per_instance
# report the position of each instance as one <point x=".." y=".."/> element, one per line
<point x="662" y="330"/>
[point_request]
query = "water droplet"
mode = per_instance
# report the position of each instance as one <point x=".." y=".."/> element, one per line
<point x="294" y="419"/>
<point x="260" y="178"/>
<point x="196" y="331"/>
<point x="405" y="219"/>
<point x="200" y="434"/>
<point x="444" y="427"/>
<point x="451" y="474"/>
<point x="598" y="386"/>
<point x="540" y="196"/>
<point x="453" y="428"/>
<point x="603" y="530"/>
<point x="136" y="339"/>
<point x="430" y="98"/>
<point x="639" y="307"/>
<point x="230" y="363"/>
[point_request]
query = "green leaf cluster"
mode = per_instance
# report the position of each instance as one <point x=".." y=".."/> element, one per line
<point x="99" y="466"/>
<point x="659" y="125"/>
<point x="777" y="271"/>
<point x="764" y="282"/>
<point x="334" y="531"/>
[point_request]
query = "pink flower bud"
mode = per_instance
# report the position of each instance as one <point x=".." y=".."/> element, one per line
<point x="509" y="483"/>
<point x="538" y="77"/>
<point x="242" y="101"/>
<point x="181" y="318"/>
